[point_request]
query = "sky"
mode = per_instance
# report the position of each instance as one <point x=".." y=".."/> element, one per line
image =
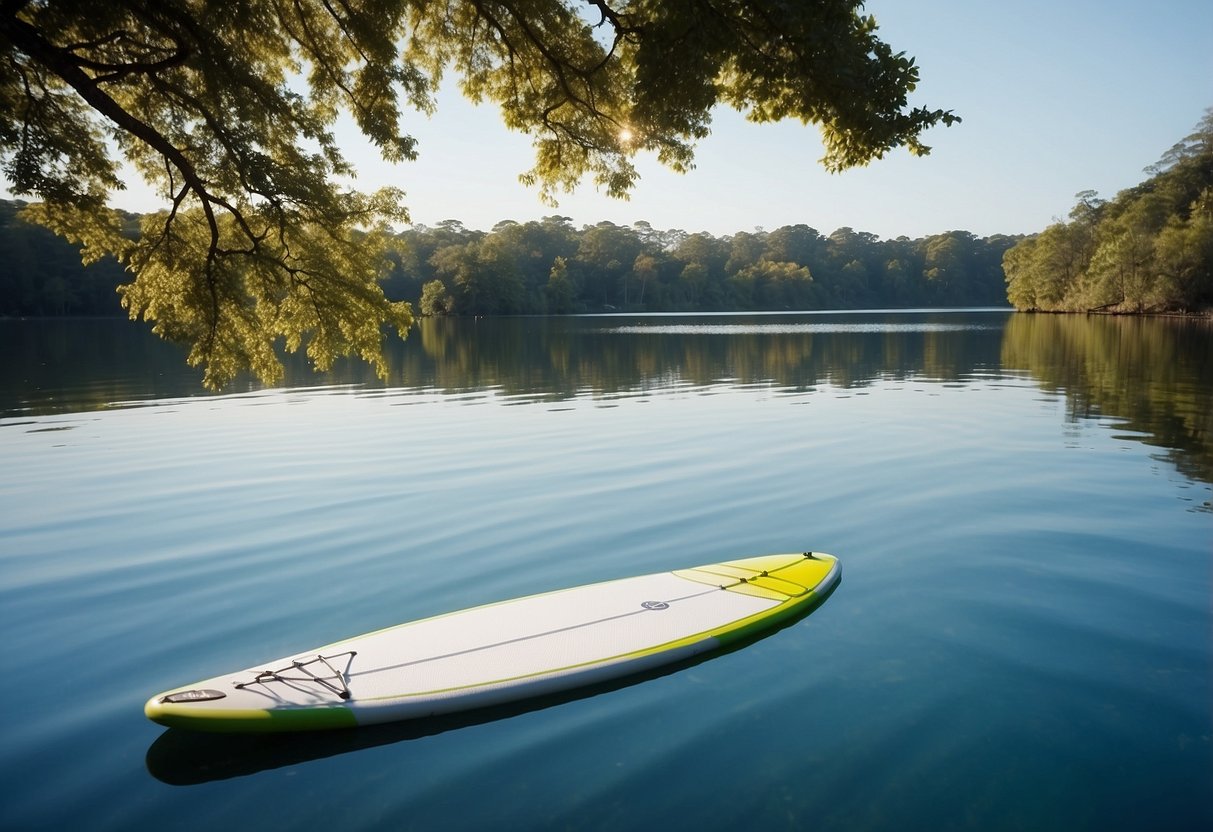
<point x="1056" y="97"/>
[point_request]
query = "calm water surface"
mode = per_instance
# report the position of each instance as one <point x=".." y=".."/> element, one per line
<point x="1022" y="638"/>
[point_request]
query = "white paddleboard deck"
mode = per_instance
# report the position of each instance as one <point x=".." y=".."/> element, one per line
<point x="506" y="651"/>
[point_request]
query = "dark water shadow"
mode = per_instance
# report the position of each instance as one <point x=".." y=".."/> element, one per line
<point x="185" y="758"/>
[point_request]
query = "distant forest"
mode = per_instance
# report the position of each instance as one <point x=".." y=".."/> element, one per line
<point x="550" y="267"/>
<point x="41" y="274"/>
<point x="1148" y="250"/>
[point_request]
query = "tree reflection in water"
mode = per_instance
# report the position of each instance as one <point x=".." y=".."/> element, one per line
<point x="1155" y="374"/>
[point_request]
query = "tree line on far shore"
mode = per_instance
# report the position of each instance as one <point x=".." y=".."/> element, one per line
<point x="550" y="267"/>
<point x="41" y="274"/>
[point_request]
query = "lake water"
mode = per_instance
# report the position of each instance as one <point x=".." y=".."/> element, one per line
<point x="1023" y="637"/>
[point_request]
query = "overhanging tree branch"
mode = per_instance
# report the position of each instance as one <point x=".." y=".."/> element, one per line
<point x="228" y="107"/>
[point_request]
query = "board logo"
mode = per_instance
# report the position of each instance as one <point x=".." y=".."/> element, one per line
<point x="655" y="605"/>
<point x="193" y="696"/>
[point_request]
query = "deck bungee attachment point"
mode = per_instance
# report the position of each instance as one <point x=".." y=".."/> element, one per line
<point x="334" y="681"/>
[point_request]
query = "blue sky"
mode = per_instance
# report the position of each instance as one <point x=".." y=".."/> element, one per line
<point x="1057" y="96"/>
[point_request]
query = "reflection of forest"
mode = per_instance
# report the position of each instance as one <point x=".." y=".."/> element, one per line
<point x="1154" y="373"/>
<point x="565" y="357"/>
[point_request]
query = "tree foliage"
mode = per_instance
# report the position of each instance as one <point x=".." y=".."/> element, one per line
<point x="227" y="109"/>
<point x="1148" y="250"/>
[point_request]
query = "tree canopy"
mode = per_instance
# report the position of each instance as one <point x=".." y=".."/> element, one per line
<point x="1148" y="250"/>
<point x="227" y="109"/>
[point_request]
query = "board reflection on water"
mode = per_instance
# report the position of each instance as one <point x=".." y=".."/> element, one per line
<point x="1153" y="373"/>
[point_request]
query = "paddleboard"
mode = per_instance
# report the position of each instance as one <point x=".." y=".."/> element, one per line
<point x="502" y="652"/>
